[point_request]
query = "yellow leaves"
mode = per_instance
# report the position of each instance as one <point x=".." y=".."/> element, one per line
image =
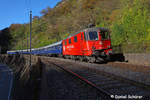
<point x="14" y="26"/>
<point x="148" y="37"/>
<point x="114" y="15"/>
<point x="88" y="4"/>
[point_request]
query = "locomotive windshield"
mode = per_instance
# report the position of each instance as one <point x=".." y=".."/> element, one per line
<point x="93" y="35"/>
<point x="105" y="35"/>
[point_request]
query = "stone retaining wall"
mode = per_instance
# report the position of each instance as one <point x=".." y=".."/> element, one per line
<point x="27" y="79"/>
<point x="138" y="58"/>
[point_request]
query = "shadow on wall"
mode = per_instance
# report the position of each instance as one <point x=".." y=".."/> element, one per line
<point x="27" y="79"/>
<point x="5" y="40"/>
<point x="118" y="57"/>
<point x="118" y="54"/>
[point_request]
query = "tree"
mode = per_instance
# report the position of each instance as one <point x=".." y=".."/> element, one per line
<point x="134" y="23"/>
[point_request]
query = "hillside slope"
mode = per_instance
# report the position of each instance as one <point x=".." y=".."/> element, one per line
<point x="129" y="21"/>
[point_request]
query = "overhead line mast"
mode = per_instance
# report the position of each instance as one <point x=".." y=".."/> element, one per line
<point x="29" y="11"/>
<point x="30" y="29"/>
<point x="28" y="8"/>
<point x="30" y="34"/>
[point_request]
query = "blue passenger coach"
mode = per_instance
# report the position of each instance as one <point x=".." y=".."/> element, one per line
<point x="53" y="49"/>
<point x="11" y="52"/>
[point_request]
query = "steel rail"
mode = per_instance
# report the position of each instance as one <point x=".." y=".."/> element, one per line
<point x="105" y="93"/>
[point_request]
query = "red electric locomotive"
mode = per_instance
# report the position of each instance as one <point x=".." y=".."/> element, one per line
<point x="90" y="44"/>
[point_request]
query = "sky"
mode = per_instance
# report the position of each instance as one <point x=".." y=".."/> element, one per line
<point x="17" y="11"/>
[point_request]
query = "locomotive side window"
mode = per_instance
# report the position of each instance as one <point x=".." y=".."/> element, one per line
<point x="75" y="39"/>
<point x="65" y="42"/>
<point x="81" y="36"/>
<point x="93" y="35"/>
<point x="69" y="41"/>
<point x="105" y="35"/>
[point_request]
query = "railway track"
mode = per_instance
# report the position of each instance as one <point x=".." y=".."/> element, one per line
<point x="83" y="83"/>
<point x="111" y="86"/>
<point x="62" y="83"/>
<point x="100" y="91"/>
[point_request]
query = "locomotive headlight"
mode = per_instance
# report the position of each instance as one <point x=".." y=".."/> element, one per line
<point x="100" y="43"/>
<point x="108" y="46"/>
<point x="110" y="52"/>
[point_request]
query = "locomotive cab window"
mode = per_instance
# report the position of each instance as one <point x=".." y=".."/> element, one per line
<point x="105" y="35"/>
<point x="93" y="35"/>
<point x="75" y="39"/>
<point x="81" y="37"/>
<point x="85" y="36"/>
<point x="69" y="41"/>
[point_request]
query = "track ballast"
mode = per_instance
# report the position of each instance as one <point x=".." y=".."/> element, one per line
<point x="107" y="84"/>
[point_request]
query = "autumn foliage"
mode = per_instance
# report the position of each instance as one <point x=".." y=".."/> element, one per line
<point x="128" y="20"/>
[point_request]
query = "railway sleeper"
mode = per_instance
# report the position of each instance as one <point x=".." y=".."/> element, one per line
<point x="106" y="82"/>
<point x="115" y="86"/>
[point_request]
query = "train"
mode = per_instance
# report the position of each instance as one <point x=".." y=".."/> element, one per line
<point x="90" y="44"/>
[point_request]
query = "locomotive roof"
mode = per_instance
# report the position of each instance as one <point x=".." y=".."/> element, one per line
<point x="89" y="29"/>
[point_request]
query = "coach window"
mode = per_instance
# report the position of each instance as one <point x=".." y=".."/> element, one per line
<point x="69" y="41"/>
<point x="75" y="39"/>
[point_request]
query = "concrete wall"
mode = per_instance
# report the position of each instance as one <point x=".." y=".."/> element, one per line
<point x="138" y="58"/>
